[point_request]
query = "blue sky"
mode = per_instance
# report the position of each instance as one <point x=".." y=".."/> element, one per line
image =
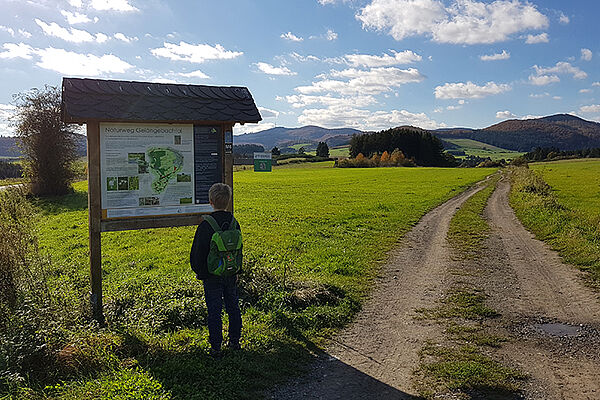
<point x="367" y="64"/>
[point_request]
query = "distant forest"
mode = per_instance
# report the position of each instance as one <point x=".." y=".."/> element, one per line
<point x="10" y="170"/>
<point x="553" y="153"/>
<point x="422" y="146"/>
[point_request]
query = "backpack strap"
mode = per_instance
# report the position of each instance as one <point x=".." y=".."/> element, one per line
<point x="212" y="222"/>
<point x="233" y="224"/>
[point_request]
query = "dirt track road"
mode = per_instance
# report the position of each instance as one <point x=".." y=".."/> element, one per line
<point x="534" y="291"/>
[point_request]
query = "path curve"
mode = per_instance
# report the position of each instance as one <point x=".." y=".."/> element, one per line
<point x="375" y="356"/>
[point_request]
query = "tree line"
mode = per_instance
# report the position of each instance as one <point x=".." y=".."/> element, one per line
<point x="553" y="153"/>
<point x="10" y="170"/>
<point x="421" y="146"/>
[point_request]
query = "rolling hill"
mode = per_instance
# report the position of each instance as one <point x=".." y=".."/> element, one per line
<point x="8" y="146"/>
<point x="285" y="137"/>
<point x="564" y="131"/>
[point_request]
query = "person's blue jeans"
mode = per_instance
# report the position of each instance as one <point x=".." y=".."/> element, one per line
<point x="216" y="291"/>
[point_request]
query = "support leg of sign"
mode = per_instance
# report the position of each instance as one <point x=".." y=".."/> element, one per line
<point x="228" y="166"/>
<point x="95" y="215"/>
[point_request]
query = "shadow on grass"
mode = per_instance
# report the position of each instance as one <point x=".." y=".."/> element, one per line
<point x="253" y="373"/>
<point x="76" y="201"/>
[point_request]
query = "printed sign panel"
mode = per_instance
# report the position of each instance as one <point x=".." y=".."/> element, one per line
<point x="157" y="169"/>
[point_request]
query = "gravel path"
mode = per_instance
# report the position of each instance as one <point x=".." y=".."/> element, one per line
<point x="375" y="356"/>
<point x="552" y="319"/>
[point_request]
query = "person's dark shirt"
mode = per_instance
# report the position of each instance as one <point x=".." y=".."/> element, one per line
<point x="201" y="244"/>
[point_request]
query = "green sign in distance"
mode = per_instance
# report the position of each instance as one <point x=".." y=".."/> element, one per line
<point x="262" y="165"/>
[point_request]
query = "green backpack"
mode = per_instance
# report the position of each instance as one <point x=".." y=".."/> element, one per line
<point x="225" y="254"/>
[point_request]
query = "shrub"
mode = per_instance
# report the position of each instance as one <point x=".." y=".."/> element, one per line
<point x="48" y="144"/>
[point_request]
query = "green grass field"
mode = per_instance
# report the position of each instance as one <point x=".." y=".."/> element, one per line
<point x="327" y="228"/>
<point x="561" y="205"/>
<point x="479" y="149"/>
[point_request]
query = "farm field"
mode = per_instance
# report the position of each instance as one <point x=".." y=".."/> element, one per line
<point x="328" y="229"/>
<point x="479" y="149"/>
<point x="567" y="213"/>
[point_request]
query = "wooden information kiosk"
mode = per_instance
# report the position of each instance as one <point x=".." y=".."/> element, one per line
<point x="154" y="150"/>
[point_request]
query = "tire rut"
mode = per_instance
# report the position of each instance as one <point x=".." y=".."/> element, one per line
<point x="531" y="286"/>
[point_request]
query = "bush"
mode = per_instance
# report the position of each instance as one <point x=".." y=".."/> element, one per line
<point x="48" y="144"/>
<point x="396" y="159"/>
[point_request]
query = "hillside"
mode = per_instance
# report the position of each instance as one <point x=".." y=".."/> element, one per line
<point x="564" y="131"/>
<point x="285" y="137"/>
<point x="8" y="146"/>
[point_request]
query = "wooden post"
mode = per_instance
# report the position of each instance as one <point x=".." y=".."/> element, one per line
<point x="228" y="165"/>
<point x="95" y="215"/>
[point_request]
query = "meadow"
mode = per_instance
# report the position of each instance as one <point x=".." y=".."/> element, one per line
<point x="479" y="149"/>
<point x="560" y="203"/>
<point x="314" y="237"/>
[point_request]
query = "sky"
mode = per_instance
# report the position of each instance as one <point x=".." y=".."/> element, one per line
<point x="365" y="64"/>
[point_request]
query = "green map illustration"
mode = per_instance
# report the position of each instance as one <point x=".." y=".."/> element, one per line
<point x="164" y="164"/>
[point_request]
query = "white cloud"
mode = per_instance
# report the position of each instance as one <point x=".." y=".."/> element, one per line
<point x="539" y="95"/>
<point x="534" y="39"/>
<point x="331" y="35"/>
<point x="127" y="39"/>
<point x="586" y="54"/>
<point x="291" y="37"/>
<point x="543" y="80"/>
<point x="10" y="31"/>
<point x="582" y="91"/>
<point x="461" y="22"/>
<point x="267" y="112"/>
<point x="556" y="98"/>
<point x="367" y="60"/>
<point x="75" y="3"/>
<point x="591" y="109"/>
<point x="71" y="63"/>
<point x="75" y="18"/>
<point x="364" y="119"/>
<point x="195" y="74"/>
<point x="112" y="5"/>
<point x="271" y="70"/>
<point x="24" y="33"/>
<point x="303" y="100"/>
<point x="469" y="90"/>
<point x="561" y="68"/>
<point x="17" y="50"/>
<point x="504" y="115"/>
<point x="494" y="57"/>
<point x="101" y="37"/>
<point x="301" y="58"/>
<point x="250" y="128"/>
<point x="596" y="84"/>
<point x="195" y="53"/>
<point x="70" y="35"/>
<point x="563" y="19"/>
<point x="371" y="82"/>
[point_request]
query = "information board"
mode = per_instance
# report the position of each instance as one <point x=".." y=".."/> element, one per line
<point x="157" y="169"/>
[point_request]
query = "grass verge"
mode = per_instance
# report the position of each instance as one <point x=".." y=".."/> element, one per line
<point x="468" y="228"/>
<point x="463" y="363"/>
<point x="565" y="213"/>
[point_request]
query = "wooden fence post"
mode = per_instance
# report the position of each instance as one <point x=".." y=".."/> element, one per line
<point x="95" y="215"/>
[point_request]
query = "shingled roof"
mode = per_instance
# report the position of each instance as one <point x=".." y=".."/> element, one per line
<point x="109" y="100"/>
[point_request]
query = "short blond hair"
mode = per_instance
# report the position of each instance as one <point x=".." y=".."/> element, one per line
<point x="219" y="195"/>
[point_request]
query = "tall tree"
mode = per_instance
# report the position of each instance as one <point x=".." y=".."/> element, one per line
<point x="48" y="144"/>
<point x="322" y="150"/>
<point x="275" y="151"/>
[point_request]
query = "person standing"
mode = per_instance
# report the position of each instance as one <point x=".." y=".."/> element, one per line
<point x="218" y="289"/>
